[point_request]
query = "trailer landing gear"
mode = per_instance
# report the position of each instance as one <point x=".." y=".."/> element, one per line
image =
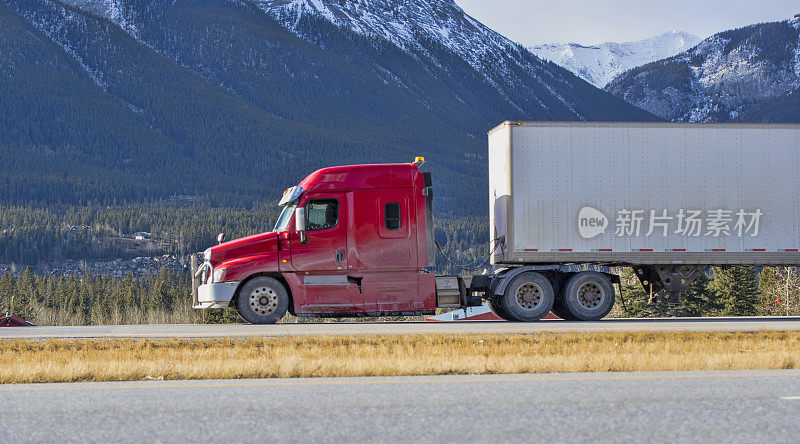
<point x="671" y="279"/>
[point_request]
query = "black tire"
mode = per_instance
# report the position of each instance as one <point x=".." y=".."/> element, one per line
<point x="561" y="311"/>
<point x="589" y="296"/>
<point x="528" y="297"/>
<point x="262" y="300"/>
<point x="496" y="304"/>
<point x="558" y="304"/>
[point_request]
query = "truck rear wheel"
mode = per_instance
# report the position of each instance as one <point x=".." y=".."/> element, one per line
<point x="561" y="311"/>
<point x="588" y="296"/>
<point x="560" y="283"/>
<point x="263" y="300"/>
<point x="496" y="305"/>
<point x="528" y="297"/>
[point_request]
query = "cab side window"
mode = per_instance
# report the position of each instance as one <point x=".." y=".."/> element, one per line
<point x="393" y="214"/>
<point x="322" y="214"/>
<point x="392" y="217"/>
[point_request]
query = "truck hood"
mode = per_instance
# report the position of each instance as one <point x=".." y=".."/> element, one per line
<point x="245" y="246"/>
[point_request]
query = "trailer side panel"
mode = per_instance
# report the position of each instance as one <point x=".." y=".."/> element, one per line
<point x="660" y="193"/>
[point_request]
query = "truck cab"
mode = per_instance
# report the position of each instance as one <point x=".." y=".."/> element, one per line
<point x="350" y="241"/>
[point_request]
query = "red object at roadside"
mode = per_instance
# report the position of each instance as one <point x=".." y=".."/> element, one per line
<point x="15" y="321"/>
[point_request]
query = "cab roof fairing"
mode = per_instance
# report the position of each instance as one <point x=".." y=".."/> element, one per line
<point x="403" y="175"/>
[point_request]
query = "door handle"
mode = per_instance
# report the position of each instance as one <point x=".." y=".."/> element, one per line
<point x="339" y="256"/>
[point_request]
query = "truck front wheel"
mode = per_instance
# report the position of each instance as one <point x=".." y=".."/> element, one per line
<point x="588" y="296"/>
<point x="528" y="297"/>
<point x="263" y="300"/>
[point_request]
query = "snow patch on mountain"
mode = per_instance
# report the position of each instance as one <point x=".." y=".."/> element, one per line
<point x="735" y="79"/>
<point x="407" y="24"/>
<point x="113" y="10"/>
<point x="599" y="64"/>
<point x="795" y="22"/>
<point x="402" y="23"/>
<point x="53" y="27"/>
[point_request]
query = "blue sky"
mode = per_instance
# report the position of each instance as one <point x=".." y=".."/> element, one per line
<point x="596" y="21"/>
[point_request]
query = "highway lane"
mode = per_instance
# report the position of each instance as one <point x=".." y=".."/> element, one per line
<point x="365" y="328"/>
<point x="749" y="406"/>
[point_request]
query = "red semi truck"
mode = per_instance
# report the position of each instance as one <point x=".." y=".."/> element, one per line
<point x="566" y="202"/>
<point x="350" y="241"/>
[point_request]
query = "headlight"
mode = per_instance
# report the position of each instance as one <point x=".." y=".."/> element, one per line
<point x="219" y="274"/>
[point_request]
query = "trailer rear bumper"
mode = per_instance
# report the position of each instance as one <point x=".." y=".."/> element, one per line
<point x="217" y="295"/>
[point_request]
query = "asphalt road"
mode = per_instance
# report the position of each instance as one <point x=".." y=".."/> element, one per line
<point x="752" y="406"/>
<point x="364" y="328"/>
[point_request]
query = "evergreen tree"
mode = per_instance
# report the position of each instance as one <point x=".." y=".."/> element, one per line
<point x="6" y="292"/>
<point x="25" y="294"/>
<point x="737" y="288"/>
<point x="698" y="300"/>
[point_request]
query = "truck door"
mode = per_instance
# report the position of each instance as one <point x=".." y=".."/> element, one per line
<point x="321" y="262"/>
<point x="386" y="247"/>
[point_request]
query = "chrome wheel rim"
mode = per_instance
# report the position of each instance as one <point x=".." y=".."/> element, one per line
<point x="263" y="301"/>
<point x="529" y="296"/>
<point x="591" y="295"/>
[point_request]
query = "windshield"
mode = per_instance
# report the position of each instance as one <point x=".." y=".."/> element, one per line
<point x="283" y="219"/>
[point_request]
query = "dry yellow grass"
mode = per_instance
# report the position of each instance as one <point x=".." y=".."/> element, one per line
<point x="23" y="361"/>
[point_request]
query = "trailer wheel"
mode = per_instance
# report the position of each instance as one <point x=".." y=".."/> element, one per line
<point x="528" y="297"/>
<point x="589" y="296"/>
<point x="262" y="300"/>
<point x="496" y="304"/>
<point x="561" y="311"/>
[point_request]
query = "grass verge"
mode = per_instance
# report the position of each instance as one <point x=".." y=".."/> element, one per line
<point x="26" y="361"/>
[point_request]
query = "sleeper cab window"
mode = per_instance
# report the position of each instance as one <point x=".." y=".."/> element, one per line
<point x="322" y="214"/>
<point x="391" y="213"/>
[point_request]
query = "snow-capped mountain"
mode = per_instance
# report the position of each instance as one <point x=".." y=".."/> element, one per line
<point x="407" y="24"/>
<point x="723" y="78"/>
<point x="435" y="32"/>
<point x="599" y="64"/>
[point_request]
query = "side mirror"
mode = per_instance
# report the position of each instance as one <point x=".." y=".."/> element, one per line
<point x="221" y="238"/>
<point x="300" y="223"/>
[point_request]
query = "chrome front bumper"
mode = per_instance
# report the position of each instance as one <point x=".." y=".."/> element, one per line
<point x="206" y="294"/>
<point x="217" y="295"/>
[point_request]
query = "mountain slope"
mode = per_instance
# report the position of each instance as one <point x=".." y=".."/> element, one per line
<point x="599" y="64"/>
<point x="50" y="107"/>
<point x="457" y="50"/>
<point x="198" y="138"/>
<point x="185" y="118"/>
<point x="781" y="109"/>
<point x="722" y="78"/>
<point x="216" y="98"/>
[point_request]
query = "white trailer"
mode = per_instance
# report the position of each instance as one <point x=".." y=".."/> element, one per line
<point x="668" y="199"/>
